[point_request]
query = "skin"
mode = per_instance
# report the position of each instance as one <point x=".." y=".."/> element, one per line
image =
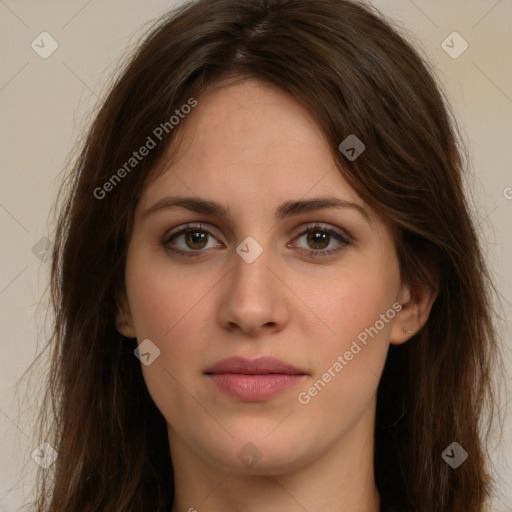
<point x="251" y="147"/>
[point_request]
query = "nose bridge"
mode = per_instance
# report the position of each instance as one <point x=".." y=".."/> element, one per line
<point x="251" y="275"/>
<point x="253" y="297"/>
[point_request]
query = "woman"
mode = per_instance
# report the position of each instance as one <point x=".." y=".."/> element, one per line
<point x="268" y="288"/>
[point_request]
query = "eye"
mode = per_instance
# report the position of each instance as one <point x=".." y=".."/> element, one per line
<point x="191" y="240"/>
<point x="324" y="241"/>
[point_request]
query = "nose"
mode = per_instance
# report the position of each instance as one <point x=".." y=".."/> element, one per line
<point x="254" y="299"/>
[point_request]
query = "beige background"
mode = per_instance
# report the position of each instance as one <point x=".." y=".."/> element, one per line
<point x="44" y="105"/>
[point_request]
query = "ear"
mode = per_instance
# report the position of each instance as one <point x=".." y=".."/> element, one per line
<point x="416" y="301"/>
<point x="124" y="319"/>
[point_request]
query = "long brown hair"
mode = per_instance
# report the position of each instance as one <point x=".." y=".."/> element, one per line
<point x="357" y="75"/>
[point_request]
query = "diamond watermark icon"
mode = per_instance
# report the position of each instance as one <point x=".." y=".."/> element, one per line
<point x="44" y="45"/>
<point x="249" y="455"/>
<point x="45" y="455"/>
<point x="249" y="249"/>
<point x="454" y="455"/>
<point x="454" y="45"/>
<point x="41" y="249"/>
<point x="352" y="147"/>
<point x="147" y="352"/>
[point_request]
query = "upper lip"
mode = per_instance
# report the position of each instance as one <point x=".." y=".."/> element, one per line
<point x="260" y="366"/>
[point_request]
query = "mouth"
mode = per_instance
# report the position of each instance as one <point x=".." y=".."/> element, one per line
<point x="254" y="380"/>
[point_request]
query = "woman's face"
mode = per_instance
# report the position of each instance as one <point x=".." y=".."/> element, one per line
<point x="270" y="272"/>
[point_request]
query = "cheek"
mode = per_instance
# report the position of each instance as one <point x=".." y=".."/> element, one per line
<point x="170" y="309"/>
<point x="160" y="298"/>
<point x="353" y="301"/>
<point x="349" y="358"/>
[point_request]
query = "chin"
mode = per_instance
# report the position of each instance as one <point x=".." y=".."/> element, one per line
<point x="254" y="452"/>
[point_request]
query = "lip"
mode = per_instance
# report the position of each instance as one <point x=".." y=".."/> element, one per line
<point x="254" y="380"/>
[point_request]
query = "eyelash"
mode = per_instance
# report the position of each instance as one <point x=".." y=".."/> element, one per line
<point x="343" y="239"/>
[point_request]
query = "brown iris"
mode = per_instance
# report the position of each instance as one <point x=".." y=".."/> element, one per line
<point x="196" y="237"/>
<point x="317" y="237"/>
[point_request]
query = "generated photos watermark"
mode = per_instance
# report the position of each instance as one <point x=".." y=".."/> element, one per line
<point x="454" y="455"/>
<point x="44" y="455"/>
<point x="249" y="455"/>
<point x="147" y="352"/>
<point x="137" y="156"/>
<point x="352" y="147"/>
<point x="304" y="397"/>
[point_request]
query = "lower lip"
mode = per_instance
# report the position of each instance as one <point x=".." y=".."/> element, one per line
<point x="253" y="388"/>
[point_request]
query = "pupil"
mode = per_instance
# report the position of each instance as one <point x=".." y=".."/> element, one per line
<point x="196" y="237"/>
<point x="317" y="237"/>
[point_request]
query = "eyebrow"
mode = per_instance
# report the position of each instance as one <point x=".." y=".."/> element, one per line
<point x="286" y="209"/>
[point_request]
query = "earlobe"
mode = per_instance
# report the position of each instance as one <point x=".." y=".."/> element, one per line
<point x="124" y="321"/>
<point x="416" y="301"/>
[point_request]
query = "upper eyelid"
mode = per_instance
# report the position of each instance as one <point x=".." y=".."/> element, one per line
<point x="201" y="226"/>
<point x="324" y="226"/>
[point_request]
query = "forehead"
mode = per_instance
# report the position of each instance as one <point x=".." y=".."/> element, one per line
<point x="252" y="143"/>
